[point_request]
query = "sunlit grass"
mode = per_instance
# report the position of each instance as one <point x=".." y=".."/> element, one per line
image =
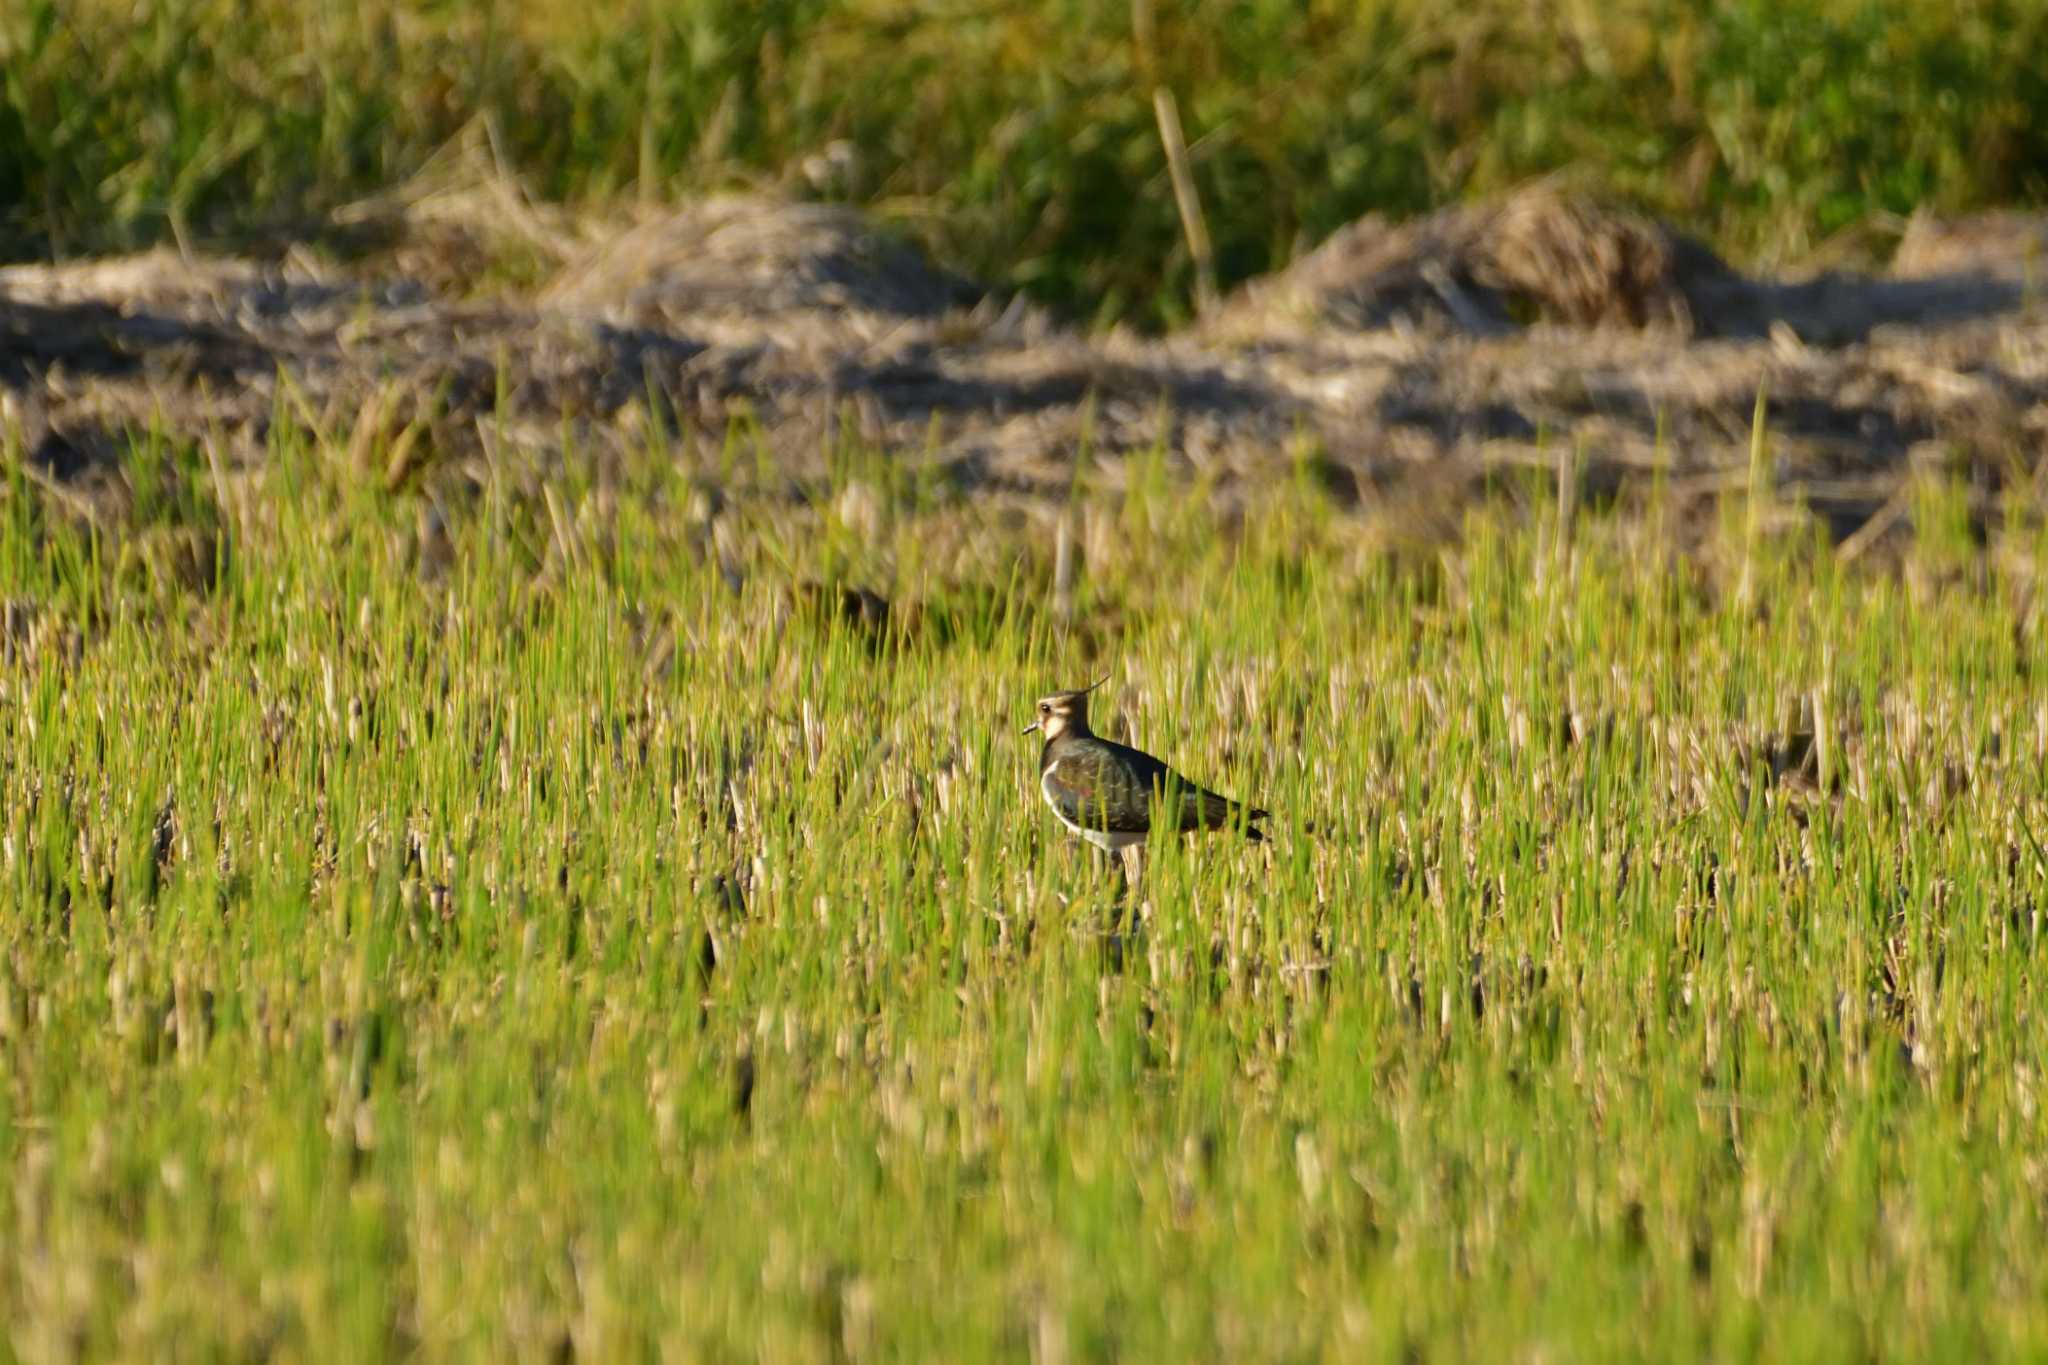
<point x="603" y="949"/>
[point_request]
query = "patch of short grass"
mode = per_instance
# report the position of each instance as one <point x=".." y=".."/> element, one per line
<point x="608" y="948"/>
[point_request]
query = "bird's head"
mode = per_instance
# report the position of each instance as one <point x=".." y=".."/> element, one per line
<point x="1064" y="713"/>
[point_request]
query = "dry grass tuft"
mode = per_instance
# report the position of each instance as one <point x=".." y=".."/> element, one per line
<point x="755" y="255"/>
<point x="1540" y="254"/>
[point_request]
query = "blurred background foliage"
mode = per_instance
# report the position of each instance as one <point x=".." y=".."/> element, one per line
<point x="1017" y="140"/>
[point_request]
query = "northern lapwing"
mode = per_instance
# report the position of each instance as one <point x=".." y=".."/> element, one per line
<point x="1111" y="794"/>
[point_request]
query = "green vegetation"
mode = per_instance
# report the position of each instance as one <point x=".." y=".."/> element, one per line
<point x="1018" y="139"/>
<point x="565" y="938"/>
<point x="546" y="921"/>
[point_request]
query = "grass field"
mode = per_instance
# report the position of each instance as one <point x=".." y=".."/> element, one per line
<point x="558" y="944"/>
<point x="521" y="914"/>
<point x="1018" y="139"/>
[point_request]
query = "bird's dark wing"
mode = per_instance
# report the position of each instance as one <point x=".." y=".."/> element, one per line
<point x="1097" y="786"/>
<point x="1112" y="787"/>
<point x="1196" y="806"/>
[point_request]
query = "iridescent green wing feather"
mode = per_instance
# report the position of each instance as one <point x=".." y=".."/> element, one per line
<point x="1093" y="784"/>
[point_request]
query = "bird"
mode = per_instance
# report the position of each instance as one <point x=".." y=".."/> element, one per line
<point x="1110" y="794"/>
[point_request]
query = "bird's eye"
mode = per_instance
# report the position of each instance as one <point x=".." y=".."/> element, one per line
<point x="1044" y="708"/>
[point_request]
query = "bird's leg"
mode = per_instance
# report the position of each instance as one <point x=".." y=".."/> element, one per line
<point x="1132" y="857"/>
<point x="1109" y="939"/>
<point x="1136" y="860"/>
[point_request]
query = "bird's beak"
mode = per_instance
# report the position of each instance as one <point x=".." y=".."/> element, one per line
<point x="1029" y="728"/>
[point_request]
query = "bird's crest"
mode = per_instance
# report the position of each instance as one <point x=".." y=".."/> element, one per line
<point x="1066" y="712"/>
